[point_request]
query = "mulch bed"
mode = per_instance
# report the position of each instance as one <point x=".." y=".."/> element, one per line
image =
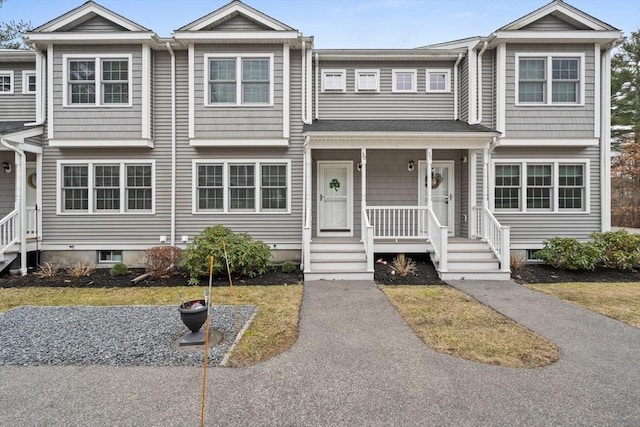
<point x="543" y="273"/>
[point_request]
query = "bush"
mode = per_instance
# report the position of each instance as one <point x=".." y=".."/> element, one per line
<point x="568" y="253"/>
<point x="246" y="256"/>
<point x="403" y="265"/>
<point x="163" y="261"/>
<point x="618" y="249"/>
<point x="289" y="267"/>
<point x="119" y="269"/>
<point x="80" y="269"/>
<point x="47" y="270"/>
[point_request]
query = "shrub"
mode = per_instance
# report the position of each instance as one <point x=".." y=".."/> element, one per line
<point x="47" y="270"/>
<point x="80" y="269"/>
<point x="119" y="269"/>
<point x="403" y="265"/>
<point x="246" y="256"/>
<point x="618" y="249"/>
<point x="163" y="261"/>
<point x="289" y="267"/>
<point x="568" y="253"/>
<point x="516" y="261"/>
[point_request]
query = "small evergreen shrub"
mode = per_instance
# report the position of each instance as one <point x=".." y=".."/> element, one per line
<point x="247" y="257"/>
<point x="163" y="261"/>
<point x="618" y="249"/>
<point x="289" y="267"/>
<point x="119" y="269"/>
<point x="568" y="253"/>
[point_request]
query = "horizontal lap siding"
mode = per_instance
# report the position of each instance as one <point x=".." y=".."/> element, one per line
<point x="97" y="24"/>
<point x="237" y="121"/>
<point x="549" y="23"/>
<point x="7" y="184"/>
<point x="385" y="104"/>
<point x="97" y="122"/>
<point x="275" y="228"/>
<point x="237" y="23"/>
<point x="547" y="121"/>
<point x="18" y="106"/>
<point x="463" y="105"/>
<point x="488" y="90"/>
<point x="533" y="228"/>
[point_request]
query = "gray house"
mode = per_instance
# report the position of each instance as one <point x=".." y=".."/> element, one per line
<point x="468" y="150"/>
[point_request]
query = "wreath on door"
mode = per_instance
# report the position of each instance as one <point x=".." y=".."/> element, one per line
<point x="436" y="180"/>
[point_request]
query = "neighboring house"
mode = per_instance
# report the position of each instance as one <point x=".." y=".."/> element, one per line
<point x="468" y="150"/>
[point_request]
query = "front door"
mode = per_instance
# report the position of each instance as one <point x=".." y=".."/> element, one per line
<point x="442" y="191"/>
<point x="335" y="204"/>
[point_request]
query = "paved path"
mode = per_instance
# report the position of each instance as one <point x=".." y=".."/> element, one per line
<point x="357" y="363"/>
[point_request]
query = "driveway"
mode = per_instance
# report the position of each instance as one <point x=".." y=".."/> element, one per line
<point x="357" y="363"/>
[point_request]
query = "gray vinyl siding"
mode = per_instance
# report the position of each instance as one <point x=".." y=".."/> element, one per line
<point x="550" y="23"/>
<point x="273" y="228"/>
<point x="463" y="104"/>
<point x="532" y="228"/>
<point x="488" y="89"/>
<point x="17" y="106"/>
<point x="547" y="121"/>
<point x="238" y="121"/>
<point x="7" y="184"/>
<point x="93" y="122"/>
<point x="385" y="104"/>
<point x="237" y="23"/>
<point x="97" y="24"/>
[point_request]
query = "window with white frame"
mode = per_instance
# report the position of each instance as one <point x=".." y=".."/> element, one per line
<point x="367" y="80"/>
<point x="28" y="82"/>
<point x="109" y="257"/>
<point x="241" y="186"/>
<point x="404" y="80"/>
<point x="6" y="82"/>
<point x="549" y="185"/>
<point x="106" y="187"/>
<point x="334" y="81"/>
<point x="550" y="80"/>
<point x="98" y="80"/>
<point x="438" y="80"/>
<point x="239" y="80"/>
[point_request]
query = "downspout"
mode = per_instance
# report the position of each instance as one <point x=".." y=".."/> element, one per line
<point x="309" y="85"/>
<point x="173" y="144"/>
<point x="478" y="118"/>
<point x="303" y="101"/>
<point x="455" y="87"/>
<point x="22" y="209"/>
<point x="40" y="79"/>
<point x="317" y="115"/>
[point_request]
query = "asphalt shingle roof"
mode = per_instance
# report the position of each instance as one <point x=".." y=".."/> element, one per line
<point x="10" y="127"/>
<point x="421" y="126"/>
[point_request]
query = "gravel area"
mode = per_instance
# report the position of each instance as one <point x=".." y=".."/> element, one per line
<point x="115" y="336"/>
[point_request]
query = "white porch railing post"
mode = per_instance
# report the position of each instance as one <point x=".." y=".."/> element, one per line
<point x="306" y="230"/>
<point x="505" y="261"/>
<point x="443" y="236"/>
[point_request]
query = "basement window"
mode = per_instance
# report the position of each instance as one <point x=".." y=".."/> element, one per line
<point x="109" y="257"/>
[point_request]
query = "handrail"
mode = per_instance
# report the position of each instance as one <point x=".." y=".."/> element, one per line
<point x="9" y="231"/>
<point x="367" y="238"/>
<point x="439" y="238"/>
<point x="488" y="228"/>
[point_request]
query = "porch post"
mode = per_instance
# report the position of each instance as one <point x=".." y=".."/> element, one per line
<point x="21" y="163"/>
<point x="306" y="208"/>
<point x="363" y="176"/>
<point x="428" y="172"/>
<point x="473" y="196"/>
<point x="485" y="193"/>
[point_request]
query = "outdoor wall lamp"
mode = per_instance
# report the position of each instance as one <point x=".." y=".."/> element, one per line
<point x="410" y="166"/>
<point x="6" y="166"/>
<point x="359" y="166"/>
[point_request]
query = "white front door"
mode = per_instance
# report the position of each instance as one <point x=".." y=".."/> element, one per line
<point x="335" y="205"/>
<point x="442" y="191"/>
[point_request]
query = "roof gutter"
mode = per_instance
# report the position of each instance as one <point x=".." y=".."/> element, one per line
<point x="173" y="144"/>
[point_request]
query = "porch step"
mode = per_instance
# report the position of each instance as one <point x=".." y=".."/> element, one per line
<point x="337" y="259"/>
<point x="6" y="260"/>
<point x="474" y="275"/>
<point x="471" y="260"/>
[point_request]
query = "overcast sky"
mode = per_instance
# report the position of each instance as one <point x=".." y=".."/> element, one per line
<point x="344" y="23"/>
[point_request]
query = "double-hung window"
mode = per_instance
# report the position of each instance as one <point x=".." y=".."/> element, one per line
<point x="404" y="80"/>
<point x="28" y="82"/>
<point x="6" y="82"/>
<point x="367" y="80"/>
<point x="239" y="79"/>
<point x="106" y="186"/>
<point x="241" y="186"/>
<point x="334" y="81"/>
<point x="550" y="80"/>
<point x="547" y="185"/>
<point x="98" y="80"/>
<point x="438" y="80"/>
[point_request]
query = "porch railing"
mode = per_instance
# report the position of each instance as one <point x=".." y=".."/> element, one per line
<point x="9" y="227"/>
<point x="367" y="238"/>
<point x="488" y="228"/>
<point x="398" y="222"/>
<point x="306" y="243"/>
<point x="439" y="238"/>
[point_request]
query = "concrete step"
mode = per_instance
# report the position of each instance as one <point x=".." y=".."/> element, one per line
<point x="474" y="275"/>
<point x="338" y="275"/>
<point x="342" y="265"/>
<point x="472" y="264"/>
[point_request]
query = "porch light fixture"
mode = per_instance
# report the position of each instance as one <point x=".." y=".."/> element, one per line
<point x="410" y="166"/>
<point x="464" y="159"/>
<point x="6" y="166"/>
<point x="359" y="166"/>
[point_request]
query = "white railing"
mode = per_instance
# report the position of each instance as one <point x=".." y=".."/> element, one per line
<point x="306" y="243"/>
<point x="398" y="222"/>
<point x="488" y="228"/>
<point x="9" y="226"/>
<point x="367" y="238"/>
<point x="439" y="238"/>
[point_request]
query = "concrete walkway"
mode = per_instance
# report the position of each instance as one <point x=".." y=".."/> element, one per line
<point x="357" y="363"/>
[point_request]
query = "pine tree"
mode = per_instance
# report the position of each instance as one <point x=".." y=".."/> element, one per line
<point x="625" y="91"/>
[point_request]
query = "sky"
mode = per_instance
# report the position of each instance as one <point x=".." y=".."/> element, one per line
<point x="343" y="23"/>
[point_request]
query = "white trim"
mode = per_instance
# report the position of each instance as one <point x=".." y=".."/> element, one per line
<point x="12" y="81"/>
<point x="548" y="142"/>
<point x="548" y="10"/>
<point x="275" y="245"/>
<point x="501" y="88"/>
<point x="447" y="79"/>
<point x="192" y="89"/>
<point x="124" y="38"/>
<point x="360" y="71"/>
<point x="349" y="214"/>
<point x="50" y="105"/>
<point x="98" y="58"/>
<point x="90" y="181"/>
<point x="548" y="57"/>
<point x="560" y="36"/>
<point x="473" y="182"/>
<point x="555" y="163"/>
<point x="146" y="92"/>
<point x="285" y="90"/>
<point x="86" y="10"/>
<point x="222" y="142"/>
<point x="596" y="90"/>
<point x="25" y="82"/>
<point x="472" y="57"/>
<point x="342" y="72"/>
<point x="201" y="36"/>
<point x="85" y="143"/>
<point x="238" y="57"/>
<point x="605" y="143"/>
<point x="414" y="79"/>
<point x="243" y="10"/>
<point x="225" y="185"/>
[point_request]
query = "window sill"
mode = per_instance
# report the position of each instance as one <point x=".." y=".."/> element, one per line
<point x="196" y="142"/>
<point x="101" y="143"/>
